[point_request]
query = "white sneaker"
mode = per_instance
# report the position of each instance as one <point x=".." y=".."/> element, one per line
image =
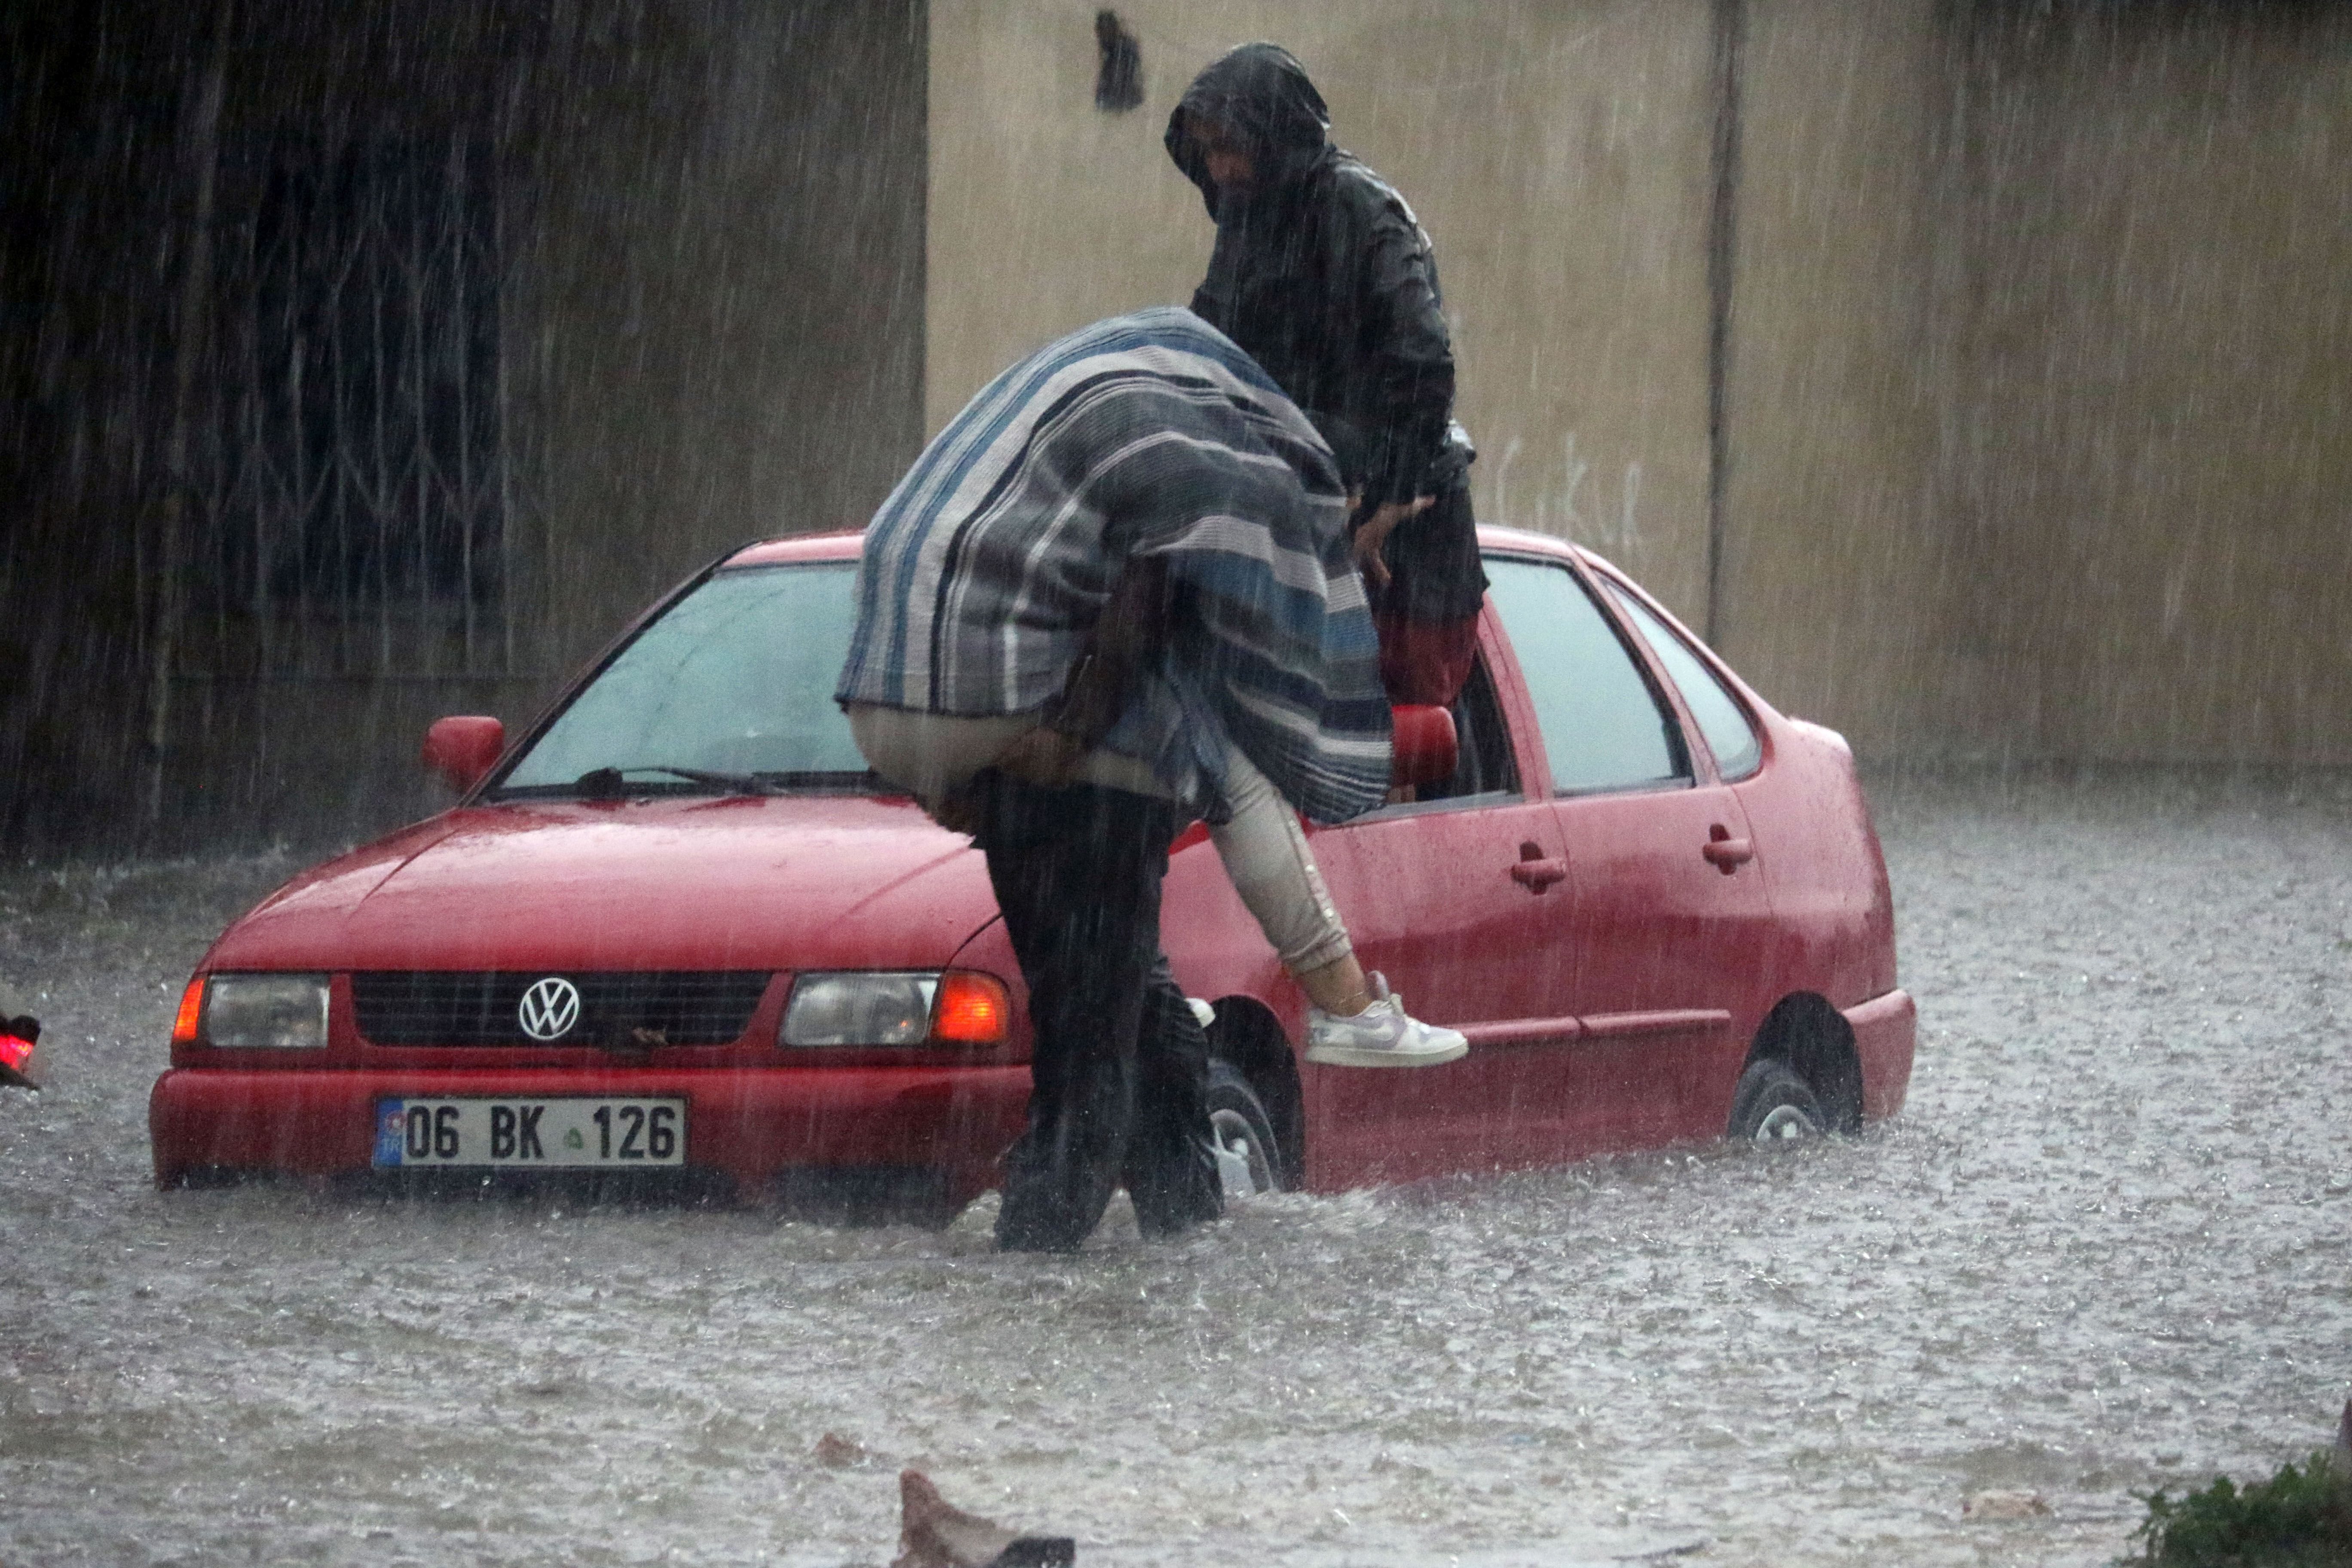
<point x="1382" y="1035"/>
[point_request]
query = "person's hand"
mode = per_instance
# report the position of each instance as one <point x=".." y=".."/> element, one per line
<point x="958" y="811"/>
<point x="1043" y="756"/>
<point x="1375" y="530"/>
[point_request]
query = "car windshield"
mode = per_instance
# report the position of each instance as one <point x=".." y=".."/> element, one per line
<point x="729" y="691"/>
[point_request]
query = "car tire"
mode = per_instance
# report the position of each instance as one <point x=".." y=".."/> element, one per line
<point x="1774" y="1106"/>
<point x="1248" y="1160"/>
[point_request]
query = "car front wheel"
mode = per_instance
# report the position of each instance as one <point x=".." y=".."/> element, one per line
<point x="1774" y="1105"/>
<point x="1242" y="1134"/>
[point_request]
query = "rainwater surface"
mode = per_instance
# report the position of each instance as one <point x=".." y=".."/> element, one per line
<point x="2105" y="1248"/>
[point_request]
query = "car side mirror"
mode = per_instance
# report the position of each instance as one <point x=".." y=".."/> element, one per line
<point x="1426" y="750"/>
<point x="463" y="749"/>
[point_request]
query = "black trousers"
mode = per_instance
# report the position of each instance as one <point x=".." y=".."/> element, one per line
<point x="1120" y="1067"/>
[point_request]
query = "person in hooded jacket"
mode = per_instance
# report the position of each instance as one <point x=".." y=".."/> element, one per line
<point x="1322" y="274"/>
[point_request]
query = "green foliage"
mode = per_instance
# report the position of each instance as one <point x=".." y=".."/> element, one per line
<point x="2300" y="1518"/>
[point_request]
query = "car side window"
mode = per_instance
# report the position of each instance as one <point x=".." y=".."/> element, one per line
<point x="1603" y="727"/>
<point x="1729" y="735"/>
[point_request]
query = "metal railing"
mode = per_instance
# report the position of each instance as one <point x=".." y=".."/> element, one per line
<point x="358" y="516"/>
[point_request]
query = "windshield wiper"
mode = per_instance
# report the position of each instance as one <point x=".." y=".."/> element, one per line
<point x="610" y="784"/>
<point x="858" y="780"/>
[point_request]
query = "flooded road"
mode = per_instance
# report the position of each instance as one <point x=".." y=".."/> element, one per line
<point x="2106" y="1247"/>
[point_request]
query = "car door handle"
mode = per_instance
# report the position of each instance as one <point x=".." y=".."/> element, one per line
<point x="1728" y="855"/>
<point x="1536" y="873"/>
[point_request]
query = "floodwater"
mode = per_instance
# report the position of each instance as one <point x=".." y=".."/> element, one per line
<point x="2105" y="1249"/>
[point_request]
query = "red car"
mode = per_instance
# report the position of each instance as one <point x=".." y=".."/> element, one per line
<point x="679" y="924"/>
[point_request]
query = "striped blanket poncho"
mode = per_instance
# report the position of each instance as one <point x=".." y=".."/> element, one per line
<point x="1149" y="434"/>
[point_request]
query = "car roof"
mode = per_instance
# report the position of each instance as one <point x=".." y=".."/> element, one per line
<point x="844" y="546"/>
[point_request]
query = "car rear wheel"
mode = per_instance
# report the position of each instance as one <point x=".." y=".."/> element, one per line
<point x="1242" y="1135"/>
<point x="1774" y="1106"/>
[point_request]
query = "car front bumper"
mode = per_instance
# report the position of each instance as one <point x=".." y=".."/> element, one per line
<point x="749" y="1123"/>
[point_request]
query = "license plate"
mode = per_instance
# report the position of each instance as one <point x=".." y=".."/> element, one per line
<point x="530" y="1134"/>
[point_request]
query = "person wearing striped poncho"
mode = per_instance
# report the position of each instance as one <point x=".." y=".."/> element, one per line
<point x="1113" y="595"/>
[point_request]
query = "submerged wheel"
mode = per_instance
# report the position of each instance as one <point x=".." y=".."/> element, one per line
<point x="1247" y="1161"/>
<point x="1774" y="1105"/>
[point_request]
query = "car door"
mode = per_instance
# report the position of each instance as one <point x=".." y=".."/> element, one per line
<point x="1450" y="897"/>
<point x="1670" y="912"/>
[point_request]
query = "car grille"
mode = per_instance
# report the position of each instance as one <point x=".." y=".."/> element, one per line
<point x="674" y="1007"/>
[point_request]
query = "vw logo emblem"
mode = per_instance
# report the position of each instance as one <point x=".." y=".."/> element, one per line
<point x="548" y="1008"/>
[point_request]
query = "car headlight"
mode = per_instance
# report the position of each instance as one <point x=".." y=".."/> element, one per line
<point x="265" y="1012"/>
<point x="959" y="1006"/>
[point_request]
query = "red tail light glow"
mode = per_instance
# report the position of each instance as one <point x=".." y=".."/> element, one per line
<point x="192" y="1012"/>
<point x="972" y="1009"/>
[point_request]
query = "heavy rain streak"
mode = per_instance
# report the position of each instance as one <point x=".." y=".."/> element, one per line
<point x="1970" y="378"/>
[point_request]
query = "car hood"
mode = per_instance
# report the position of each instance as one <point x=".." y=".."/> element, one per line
<point x="776" y="882"/>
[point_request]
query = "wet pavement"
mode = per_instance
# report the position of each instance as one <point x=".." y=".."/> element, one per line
<point x="2105" y="1248"/>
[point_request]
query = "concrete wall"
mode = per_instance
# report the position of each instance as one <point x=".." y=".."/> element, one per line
<point x="2040" y="353"/>
<point x="710" y="245"/>
<point x="712" y="323"/>
<point x="2038" y="346"/>
<point x="720" y="312"/>
<point x="1558" y="154"/>
<point x="2148" y="460"/>
<point x="2041" y="374"/>
<point x="128" y="203"/>
<point x="302" y="724"/>
<point x="80" y="409"/>
<point x="1836" y="573"/>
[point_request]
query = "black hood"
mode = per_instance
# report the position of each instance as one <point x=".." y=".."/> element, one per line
<point x="1261" y="92"/>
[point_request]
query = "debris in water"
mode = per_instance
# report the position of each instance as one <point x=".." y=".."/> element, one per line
<point x="835" y="1452"/>
<point x="934" y="1533"/>
<point x="2004" y="1504"/>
